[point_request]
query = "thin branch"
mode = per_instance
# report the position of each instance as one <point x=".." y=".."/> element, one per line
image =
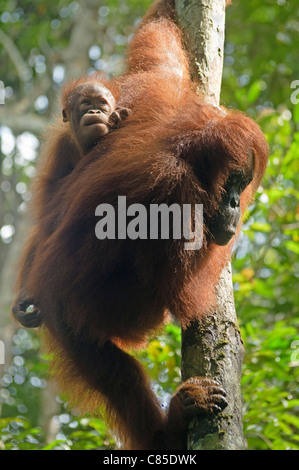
<point x="75" y="56"/>
<point x="15" y="56"/>
<point x="23" y="123"/>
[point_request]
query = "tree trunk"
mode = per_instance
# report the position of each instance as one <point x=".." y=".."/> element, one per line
<point x="212" y="347"/>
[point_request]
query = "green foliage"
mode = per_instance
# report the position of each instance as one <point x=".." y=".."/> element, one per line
<point x="266" y="291"/>
<point x="260" y="68"/>
<point x="261" y="53"/>
<point x="162" y="359"/>
<point x="17" y="433"/>
<point x="79" y="434"/>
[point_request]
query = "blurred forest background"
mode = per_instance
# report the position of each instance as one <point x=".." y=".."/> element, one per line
<point x="42" y="44"/>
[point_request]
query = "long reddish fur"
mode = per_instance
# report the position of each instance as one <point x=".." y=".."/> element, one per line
<point x="95" y="295"/>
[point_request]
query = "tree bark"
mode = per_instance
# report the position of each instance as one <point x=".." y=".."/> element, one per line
<point x="212" y="347"/>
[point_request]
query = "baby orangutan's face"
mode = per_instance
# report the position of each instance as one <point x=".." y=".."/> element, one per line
<point x="89" y="109"/>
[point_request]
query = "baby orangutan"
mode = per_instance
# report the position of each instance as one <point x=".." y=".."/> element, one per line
<point x="90" y="112"/>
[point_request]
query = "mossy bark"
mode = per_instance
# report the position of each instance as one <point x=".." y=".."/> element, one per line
<point x="213" y="348"/>
<point x="203" y="23"/>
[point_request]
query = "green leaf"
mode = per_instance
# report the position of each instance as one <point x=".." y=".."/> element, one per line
<point x="261" y="227"/>
<point x="254" y="91"/>
<point x="292" y="246"/>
